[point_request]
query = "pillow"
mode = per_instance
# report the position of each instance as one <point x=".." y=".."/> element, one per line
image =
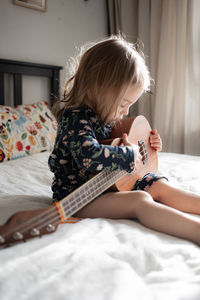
<point x="26" y="129"/>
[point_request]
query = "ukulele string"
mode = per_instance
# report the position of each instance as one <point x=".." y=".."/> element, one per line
<point x="46" y="216"/>
<point x="88" y="196"/>
<point x="143" y="152"/>
<point x="73" y="205"/>
<point x="99" y="187"/>
<point x="36" y="219"/>
<point x="69" y="206"/>
<point x="39" y="222"/>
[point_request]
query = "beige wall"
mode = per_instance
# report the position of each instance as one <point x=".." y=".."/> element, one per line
<point x="48" y="37"/>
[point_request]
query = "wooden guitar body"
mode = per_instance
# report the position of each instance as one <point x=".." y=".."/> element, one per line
<point x="138" y="131"/>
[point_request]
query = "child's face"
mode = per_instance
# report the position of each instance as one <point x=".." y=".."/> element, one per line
<point x="132" y="94"/>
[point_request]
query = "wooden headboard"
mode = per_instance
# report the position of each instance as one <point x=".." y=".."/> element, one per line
<point x="20" y="68"/>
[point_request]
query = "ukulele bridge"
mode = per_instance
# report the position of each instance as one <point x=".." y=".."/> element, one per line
<point x="143" y="151"/>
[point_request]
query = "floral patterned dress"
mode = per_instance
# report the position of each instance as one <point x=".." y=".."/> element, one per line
<point x="77" y="152"/>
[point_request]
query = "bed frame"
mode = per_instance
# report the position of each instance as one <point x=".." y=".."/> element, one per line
<point x="20" y="68"/>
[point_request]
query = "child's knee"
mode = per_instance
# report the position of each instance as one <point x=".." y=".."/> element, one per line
<point x="143" y="199"/>
<point x="143" y="196"/>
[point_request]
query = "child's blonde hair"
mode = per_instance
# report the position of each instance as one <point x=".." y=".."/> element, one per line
<point x="103" y="74"/>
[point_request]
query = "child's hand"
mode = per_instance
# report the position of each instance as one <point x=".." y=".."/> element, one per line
<point x="155" y="140"/>
<point x="137" y="155"/>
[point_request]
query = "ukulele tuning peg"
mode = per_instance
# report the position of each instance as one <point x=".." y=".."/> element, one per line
<point x="2" y="240"/>
<point x="34" y="232"/>
<point x="50" y="228"/>
<point x="17" y="236"/>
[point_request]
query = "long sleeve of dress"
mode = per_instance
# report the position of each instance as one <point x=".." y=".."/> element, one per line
<point x="81" y="140"/>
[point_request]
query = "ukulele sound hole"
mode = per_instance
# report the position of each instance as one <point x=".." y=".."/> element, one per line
<point x="143" y="151"/>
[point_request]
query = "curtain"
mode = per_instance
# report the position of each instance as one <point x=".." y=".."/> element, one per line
<point x="170" y="32"/>
<point x="192" y="97"/>
<point x="114" y="16"/>
<point x="172" y="39"/>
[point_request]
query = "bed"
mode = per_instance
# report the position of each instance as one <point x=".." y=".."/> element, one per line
<point x="91" y="258"/>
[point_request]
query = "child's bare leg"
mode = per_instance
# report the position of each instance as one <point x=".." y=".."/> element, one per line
<point x="140" y="205"/>
<point x="169" y="220"/>
<point x="174" y="197"/>
<point x="113" y="205"/>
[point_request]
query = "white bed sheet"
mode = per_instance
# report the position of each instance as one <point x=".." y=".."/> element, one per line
<point x="97" y="259"/>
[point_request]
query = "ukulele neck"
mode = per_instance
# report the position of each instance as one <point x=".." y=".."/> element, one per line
<point x="89" y="191"/>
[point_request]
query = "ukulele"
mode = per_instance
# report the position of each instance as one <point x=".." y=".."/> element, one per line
<point x="28" y="224"/>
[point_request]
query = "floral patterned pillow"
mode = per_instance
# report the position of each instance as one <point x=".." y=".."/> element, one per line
<point x="26" y="129"/>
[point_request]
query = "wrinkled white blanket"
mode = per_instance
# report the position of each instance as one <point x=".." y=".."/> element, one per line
<point x="97" y="259"/>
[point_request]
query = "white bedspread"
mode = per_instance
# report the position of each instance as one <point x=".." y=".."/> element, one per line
<point x="97" y="259"/>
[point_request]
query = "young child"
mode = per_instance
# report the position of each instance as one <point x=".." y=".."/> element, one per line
<point x="110" y="77"/>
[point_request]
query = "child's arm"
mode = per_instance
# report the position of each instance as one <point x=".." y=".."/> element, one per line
<point x="89" y="154"/>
